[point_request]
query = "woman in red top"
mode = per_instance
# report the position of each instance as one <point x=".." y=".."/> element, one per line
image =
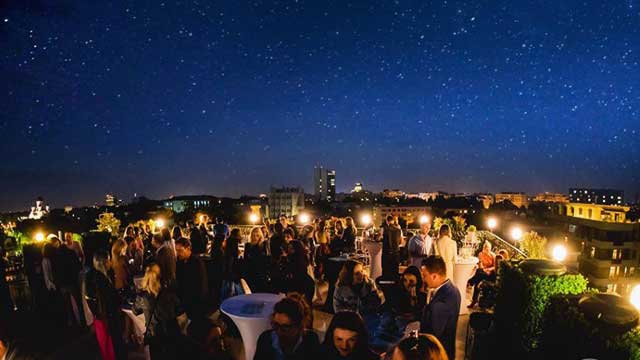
<point x="486" y="271"/>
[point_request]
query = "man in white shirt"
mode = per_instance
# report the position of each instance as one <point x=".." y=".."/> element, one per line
<point x="420" y="246"/>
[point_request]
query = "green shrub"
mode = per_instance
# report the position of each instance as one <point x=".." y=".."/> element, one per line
<point x="522" y="301"/>
<point x="569" y="335"/>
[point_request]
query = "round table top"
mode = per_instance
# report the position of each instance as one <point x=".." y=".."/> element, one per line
<point x="609" y="309"/>
<point x="542" y="267"/>
<point x="258" y="306"/>
<point x="466" y="261"/>
<point x="339" y="258"/>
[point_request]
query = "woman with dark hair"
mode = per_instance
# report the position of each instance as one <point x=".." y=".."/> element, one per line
<point x="349" y="235"/>
<point x="347" y="338"/>
<point x="297" y="278"/>
<point x="166" y="259"/>
<point x="418" y="347"/>
<point x="231" y="266"/>
<point x="355" y="291"/>
<point x="337" y="244"/>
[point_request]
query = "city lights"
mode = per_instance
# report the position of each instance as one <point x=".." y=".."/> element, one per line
<point x="424" y="219"/>
<point x="492" y="223"/>
<point x="254" y="218"/>
<point x="516" y="233"/>
<point x="559" y="253"/>
<point x="39" y="236"/>
<point x="304" y="218"/>
<point x="635" y="297"/>
<point x="365" y="219"/>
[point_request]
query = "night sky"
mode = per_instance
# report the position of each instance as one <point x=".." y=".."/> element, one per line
<point x="228" y="98"/>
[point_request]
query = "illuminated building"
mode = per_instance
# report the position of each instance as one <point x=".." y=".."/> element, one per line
<point x="324" y="183"/>
<point x="596" y="196"/>
<point x="516" y="198"/>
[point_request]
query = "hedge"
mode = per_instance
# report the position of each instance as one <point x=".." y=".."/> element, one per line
<point x="522" y="301"/>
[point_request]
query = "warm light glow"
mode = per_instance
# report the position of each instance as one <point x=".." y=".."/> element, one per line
<point x="159" y="223"/>
<point x="424" y="219"/>
<point x="365" y="219"/>
<point x="559" y="253"/>
<point x="254" y="218"/>
<point x="516" y="233"/>
<point x="635" y="297"/>
<point x="202" y="218"/>
<point x="492" y="223"/>
<point x="304" y="218"/>
<point x="39" y="236"/>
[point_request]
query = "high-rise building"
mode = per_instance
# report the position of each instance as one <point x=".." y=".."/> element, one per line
<point x="596" y="196"/>
<point x="324" y="183"/>
<point x="516" y="198"/>
<point x="285" y="201"/>
<point x="357" y="188"/>
<point x="110" y="200"/>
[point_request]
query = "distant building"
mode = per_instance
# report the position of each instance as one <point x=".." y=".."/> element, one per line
<point x="426" y="196"/>
<point x="110" y="200"/>
<point x="40" y="210"/>
<point x="393" y="193"/>
<point x="485" y="199"/>
<point x="285" y="200"/>
<point x="603" y="213"/>
<point x="596" y="196"/>
<point x="180" y="204"/>
<point x="516" y="198"/>
<point x="357" y="188"/>
<point x="409" y="213"/>
<point x="609" y="255"/>
<point x="551" y="197"/>
<point x="324" y="183"/>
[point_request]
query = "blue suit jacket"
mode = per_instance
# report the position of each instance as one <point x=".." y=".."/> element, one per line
<point x="440" y="317"/>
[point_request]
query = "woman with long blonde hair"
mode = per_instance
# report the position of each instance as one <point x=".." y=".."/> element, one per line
<point x="256" y="261"/>
<point x="119" y="264"/>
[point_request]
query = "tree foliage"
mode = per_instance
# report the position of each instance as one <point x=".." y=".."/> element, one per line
<point x="108" y="222"/>
<point x="534" y="245"/>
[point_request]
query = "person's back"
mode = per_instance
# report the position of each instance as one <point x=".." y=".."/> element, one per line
<point x="198" y="245"/>
<point x="66" y="268"/>
<point x="307" y="349"/>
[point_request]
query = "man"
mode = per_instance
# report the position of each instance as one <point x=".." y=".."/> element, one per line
<point x="66" y="271"/>
<point x="75" y="246"/>
<point x="486" y="271"/>
<point x="289" y="236"/>
<point x="391" y="238"/>
<point x="288" y="339"/>
<point x="285" y="225"/>
<point x="220" y="234"/>
<point x="191" y="276"/>
<point x="421" y="245"/>
<point x="440" y="315"/>
<point x="198" y="244"/>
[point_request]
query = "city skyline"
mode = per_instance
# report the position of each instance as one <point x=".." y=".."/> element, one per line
<point x="231" y="98"/>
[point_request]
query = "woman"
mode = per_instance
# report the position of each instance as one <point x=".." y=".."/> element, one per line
<point x="349" y="235"/>
<point x="104" y="302"/>
<point x="447" y="248"/>
<point x="256" y="262"/>
<point x="296" y="277"/>
<point x="418" y="347"/>
<point x="166" y="259"/>
<point x="347" y="338"/>
<point x="323" y="251"/>
<point x="119" y="264"/>
<point x="355" y="291"/>
<point x="405" y="305"/>
<point x="163" y="315"/>
<point x="231" y="267"/>
<point x="337" y="244"/>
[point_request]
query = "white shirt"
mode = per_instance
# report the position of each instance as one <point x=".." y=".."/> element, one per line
<point x="432" y="292"/>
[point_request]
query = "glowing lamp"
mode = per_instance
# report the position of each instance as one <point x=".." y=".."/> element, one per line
<point x="365" y="219"/>
<point x="39" y="237"/>
<point x="254" y="218"/>
<point x="159" y="223"/>
<point x="423" y="219"/>
<point x="516" y="234"/>
<point x="635" y="297"/>
<point x="492" y="223"/>
<point x="304" y="218"/>
<point x="559" y="253"/>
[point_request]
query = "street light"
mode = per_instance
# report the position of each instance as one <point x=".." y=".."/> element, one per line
<point x="423" y="219"/>
<point x="365" y="219"/>
<point x="254" y="218"/>
<point x="39" y="236"/>
<point x="304" y="218"/>
<point x="159" y="223"/>
<point x="635" y="297"/>
<point x="516" y="233"/>
<point x="559" y="253"/>
<point x="492" y="223"/>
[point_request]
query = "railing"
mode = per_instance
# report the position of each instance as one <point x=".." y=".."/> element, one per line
<point x="488" y="235"/>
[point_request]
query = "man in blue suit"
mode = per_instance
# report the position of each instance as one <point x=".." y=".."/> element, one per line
<point x="440" y="315"/>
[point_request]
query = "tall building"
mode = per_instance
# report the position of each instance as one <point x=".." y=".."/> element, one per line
<point x="285" y="200"/>
<point x="110" y="200"/>
<point x="551" y="197"/>
<point x="596" y="196"/>
<point x="324" y="184"/>
<point x="40" y="210"/>
<point x="516" y="198"/>
<point x="357" y="188"/>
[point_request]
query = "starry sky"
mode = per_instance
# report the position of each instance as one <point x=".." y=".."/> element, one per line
<point x="229" y="97"/>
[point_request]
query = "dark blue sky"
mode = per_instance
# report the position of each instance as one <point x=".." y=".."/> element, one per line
<point x="226" y="98"/>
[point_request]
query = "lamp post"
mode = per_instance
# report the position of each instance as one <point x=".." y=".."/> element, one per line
<point x="423" y="219"/>
<point x="39" y="236"/>
<point x="159" y="222"/>
<point x="516" y="234"/>
<point x="254" y="218"/>
<point x="635" y="297"/>
<point x="492" y="223"/>
<point x="559" y="253"/>
<point x="304" y="218"/>
<point x="365" y="219"/>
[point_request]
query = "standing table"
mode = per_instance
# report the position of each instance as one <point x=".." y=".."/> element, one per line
<point x="462" y="272"/>
<point x="251" y="313"/>
<point x="375" y="254"/>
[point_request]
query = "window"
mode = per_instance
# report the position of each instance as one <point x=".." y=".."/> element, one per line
<point x="590" y="213"/>
<point x="579" y="211"/>
<point x="593" y="252"/>
<point x="614" y="272"/>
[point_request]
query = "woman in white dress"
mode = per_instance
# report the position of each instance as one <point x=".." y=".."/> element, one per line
<point x="447" y="248"/>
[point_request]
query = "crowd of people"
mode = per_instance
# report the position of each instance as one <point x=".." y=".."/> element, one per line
<point x="179" y="277"/>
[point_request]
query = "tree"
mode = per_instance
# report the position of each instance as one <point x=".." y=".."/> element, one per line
<point x="108" y="222"/>
<point x="457" y="225"/>
<point x="534" y="245"/>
